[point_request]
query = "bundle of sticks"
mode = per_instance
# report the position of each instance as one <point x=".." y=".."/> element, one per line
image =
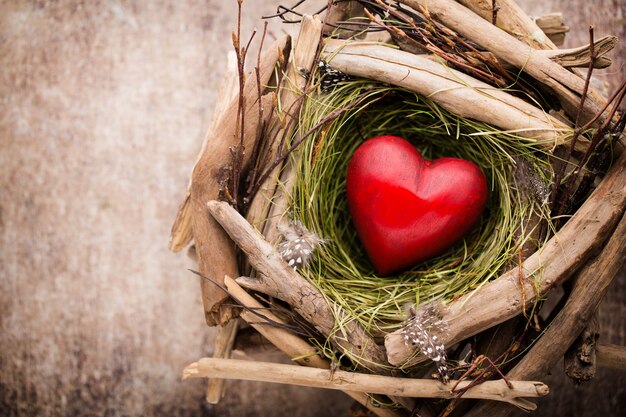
<point x="459" y="54"/>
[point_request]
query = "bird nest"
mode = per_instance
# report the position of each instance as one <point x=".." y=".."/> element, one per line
<point x="454" y="81"/>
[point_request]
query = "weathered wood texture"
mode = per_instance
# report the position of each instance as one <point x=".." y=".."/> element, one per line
<point x="104" y="107"/>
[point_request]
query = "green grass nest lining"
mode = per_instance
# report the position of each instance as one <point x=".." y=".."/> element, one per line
<point x="341" y="269"/>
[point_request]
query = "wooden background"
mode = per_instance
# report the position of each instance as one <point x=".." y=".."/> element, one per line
<point x="103" y="108"/>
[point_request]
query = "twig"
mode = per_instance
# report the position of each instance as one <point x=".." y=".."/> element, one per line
<point x="296" y="143"/>
<point x="350" y="381"/>
<point x="304" y="55"/>
<point x="222" y="350"/>
<point x="494" y="12"/>
<point x="564" y="84"/>
<point x="216" y="252"/>
<point x="557" y="210"/>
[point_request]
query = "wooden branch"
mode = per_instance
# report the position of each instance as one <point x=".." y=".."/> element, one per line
<point x="342" y="12"/>
<point x="222" y="350"/>
<point x="567" y="86"/>
<point x="589" y="288"/>
<point x="611" y="356"/>
<point x="296" y="348"/>
<point x="303" y="56"/>
<point x="447" y="87"/>
<point x="277" y="279"/>
<point x="216" y="252"/>
<point x="511" y="19"/>
<point x="350" y="381"/>
<point x="558" y="259"/>
<point x="580" y="57"/>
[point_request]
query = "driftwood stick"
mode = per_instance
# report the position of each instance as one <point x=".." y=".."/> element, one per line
<point x="295" y="347"/>
<point x="611" y="356"/>
<point x="222" y="350"/>
<point x="580" y="57"/>
<point x="589" y="288"/>
<point x="556" y="261"/>
<point x="350" y="381"/>
<point x="512" y="19"/>
<point x="278" y="280"/>
<point x="567" y="86"/>
<point x="447" y="87"/>
<point x="216" y="252"/>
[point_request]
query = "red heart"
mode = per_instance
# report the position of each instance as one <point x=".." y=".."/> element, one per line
<point x="407" y="209"/>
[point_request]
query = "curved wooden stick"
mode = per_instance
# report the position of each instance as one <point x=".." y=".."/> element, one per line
<point x="351" y="381"/>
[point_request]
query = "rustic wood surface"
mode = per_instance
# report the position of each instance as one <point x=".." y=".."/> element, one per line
<point x="104" y="108"/>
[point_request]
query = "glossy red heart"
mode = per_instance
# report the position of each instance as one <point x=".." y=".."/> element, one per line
<point x="407" y="209"/>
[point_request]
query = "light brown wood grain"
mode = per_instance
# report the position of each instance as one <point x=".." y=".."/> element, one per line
<point x="352" y="381"/>
<point x="511" y="18"/>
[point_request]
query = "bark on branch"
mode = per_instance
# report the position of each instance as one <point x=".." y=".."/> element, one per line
<point x="216" y="253"/>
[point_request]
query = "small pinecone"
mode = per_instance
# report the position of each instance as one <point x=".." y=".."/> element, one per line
<point x="298" y="245"/>
<point x="330" y="77"/>
<point x="419" y="332"/>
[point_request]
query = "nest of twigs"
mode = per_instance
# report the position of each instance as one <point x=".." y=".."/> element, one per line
<point x="455" y="80"/>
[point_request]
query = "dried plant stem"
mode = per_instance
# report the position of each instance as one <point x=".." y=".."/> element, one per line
<point x="556" y="261"/>
<point x="216" y="253"/>
<point x="567" y="86"/>
<point x="295" y="347"/>
<point x="277" y="279"/>
<point x="591" y="283"/>
<point x="350" y="381"/>
<point x="450" y="89"/>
